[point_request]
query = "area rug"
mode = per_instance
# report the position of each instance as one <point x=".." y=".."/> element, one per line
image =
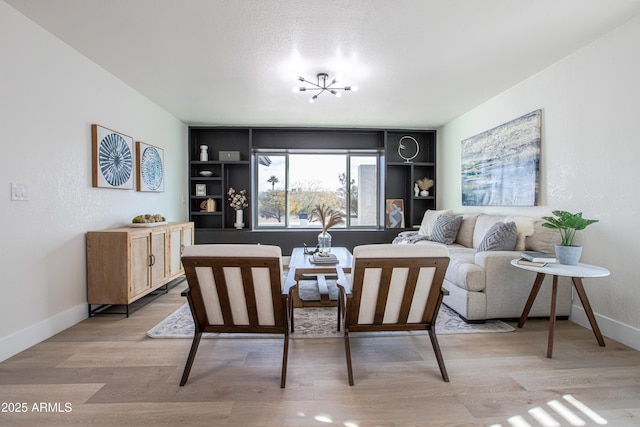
<point x="320" y="322"/>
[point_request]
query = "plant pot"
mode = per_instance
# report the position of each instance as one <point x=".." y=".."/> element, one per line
<point x="424" y="193"/>
<point x="568" y="255"/>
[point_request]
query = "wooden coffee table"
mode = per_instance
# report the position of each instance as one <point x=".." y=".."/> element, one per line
<point x="302" y="268"/>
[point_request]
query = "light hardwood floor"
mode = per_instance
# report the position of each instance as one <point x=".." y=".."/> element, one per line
<point x="106" y="371"/>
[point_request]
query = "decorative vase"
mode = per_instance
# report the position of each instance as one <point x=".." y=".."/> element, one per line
<point x="568" y="255"/>
<point x="204" y="153"/>
<point x="324" y="242"/>
<point x="424" y="193"/>
<point x="239" y="218"/>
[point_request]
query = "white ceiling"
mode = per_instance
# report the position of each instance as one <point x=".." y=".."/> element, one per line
<point x="417" y="63"/>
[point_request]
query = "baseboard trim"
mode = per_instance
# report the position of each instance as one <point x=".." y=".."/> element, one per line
<point x="32" y="335"/>
<point x="610" y="328"/>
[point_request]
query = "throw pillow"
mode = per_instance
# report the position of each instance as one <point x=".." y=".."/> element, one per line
<point x="524" y="225"/>
<point x="429" y="220"/>
<point x="500" y="237"/>
<point x="446" y="229"/>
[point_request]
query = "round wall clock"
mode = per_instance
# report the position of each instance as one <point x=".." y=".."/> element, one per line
<point x="408" y="148"/>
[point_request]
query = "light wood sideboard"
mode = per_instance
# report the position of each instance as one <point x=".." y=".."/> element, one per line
<point x="126" y="264"/>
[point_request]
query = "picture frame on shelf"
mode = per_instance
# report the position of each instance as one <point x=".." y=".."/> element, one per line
<point x="112" y="159"/>
<point x="201" y="190"/>
<point x="150" y="168"/>
<point x="394" y="213"/>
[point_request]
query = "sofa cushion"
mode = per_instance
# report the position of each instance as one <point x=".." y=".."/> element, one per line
<point x="463" y="272"/>
<point x="543" y="239"/>
<point x="445" y="229"/>
<point x="483" y="224"/>
<point x="465" y="233"/>
<point x="525" y="229"/>
<point x="500" y="237"/>
<point x="429" y="220"/>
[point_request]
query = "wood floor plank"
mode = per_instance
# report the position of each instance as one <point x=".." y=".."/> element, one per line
<point x="113" y="374"/>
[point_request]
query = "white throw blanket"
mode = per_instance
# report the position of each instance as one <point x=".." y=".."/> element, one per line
<point x="407" y="237"/>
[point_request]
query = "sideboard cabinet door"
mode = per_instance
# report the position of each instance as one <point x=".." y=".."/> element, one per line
<point x="125" y="264"/>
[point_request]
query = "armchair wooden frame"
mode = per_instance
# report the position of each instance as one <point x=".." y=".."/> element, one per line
<point x="351" y="297"/>
<point x="219" y="268"/>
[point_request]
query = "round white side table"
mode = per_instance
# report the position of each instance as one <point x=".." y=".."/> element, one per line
<point x="577" y="273"/>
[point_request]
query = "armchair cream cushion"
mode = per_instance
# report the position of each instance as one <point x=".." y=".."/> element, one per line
<point x="371" y="282"/>
<point x="233" y="277"/>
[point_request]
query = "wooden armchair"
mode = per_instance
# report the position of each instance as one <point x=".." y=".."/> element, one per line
<point x="394" y="288"/>
<point x="236" y="289"/>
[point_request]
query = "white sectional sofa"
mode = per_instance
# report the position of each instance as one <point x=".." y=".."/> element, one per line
<point x="483" y="284"/>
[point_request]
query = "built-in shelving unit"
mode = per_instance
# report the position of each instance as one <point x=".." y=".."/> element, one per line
<point x="401" y="175"/>
<point x="398" y="175"/>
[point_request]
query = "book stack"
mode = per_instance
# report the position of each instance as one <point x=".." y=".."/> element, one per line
<point x="536" y="259"/>
<point x="323" y="258"/>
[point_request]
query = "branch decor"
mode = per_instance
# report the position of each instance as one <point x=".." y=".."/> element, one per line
<point x="328" y="217"/>
<point x="424" y="184"/>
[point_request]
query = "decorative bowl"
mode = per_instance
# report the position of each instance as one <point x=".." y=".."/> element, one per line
<point x="206" y="173"/>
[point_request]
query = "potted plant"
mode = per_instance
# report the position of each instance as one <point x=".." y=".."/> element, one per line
<point x="238" y="201"/>
<point x="567" y="223"/>
<point x="328" y="218"/>
<point x="424" y="184"/>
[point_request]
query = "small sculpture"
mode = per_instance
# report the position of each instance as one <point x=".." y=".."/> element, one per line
<point x="416" y="190"/>
<point x="204" y="153"/>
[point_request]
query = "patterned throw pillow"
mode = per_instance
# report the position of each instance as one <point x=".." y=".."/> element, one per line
<point x="500" y="237"/>
<point x="429" y="220"/>
<point x="446" y="229"/>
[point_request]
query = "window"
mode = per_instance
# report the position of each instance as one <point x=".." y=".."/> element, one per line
<point x="289" y="186"/>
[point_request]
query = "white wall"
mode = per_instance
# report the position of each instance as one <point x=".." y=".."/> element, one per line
<point x="49" y="97"/>
<point x="590" y="105"/>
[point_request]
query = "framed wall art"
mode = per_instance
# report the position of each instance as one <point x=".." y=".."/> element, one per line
<point x="500" y="167"/>
<point x="201" y="190"/>
<point x="112" y="158"/>
<point x="150" y="167"/>
<point x="394" y="213"/>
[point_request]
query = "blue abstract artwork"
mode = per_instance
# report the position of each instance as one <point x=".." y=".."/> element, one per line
<point x="150" y="167"/>
<point x="500" y="167"/>
<point x="113" y="158"/>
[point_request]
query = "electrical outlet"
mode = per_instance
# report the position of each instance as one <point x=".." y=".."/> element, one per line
<point x="19" y="192"/>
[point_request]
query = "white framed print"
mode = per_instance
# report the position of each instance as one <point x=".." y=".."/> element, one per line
<point x="150" y="163"/>
<point x="112" y="158"/>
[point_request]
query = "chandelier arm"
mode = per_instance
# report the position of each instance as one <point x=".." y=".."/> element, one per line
<point x="313" y="84"/>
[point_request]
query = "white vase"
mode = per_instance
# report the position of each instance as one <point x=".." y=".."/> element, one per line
<point x="204" y="153"/>
<point x="239" y="218"/>
<point x="424" y="193"/>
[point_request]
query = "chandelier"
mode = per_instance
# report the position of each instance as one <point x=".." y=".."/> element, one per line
<point x="323" y="85"/>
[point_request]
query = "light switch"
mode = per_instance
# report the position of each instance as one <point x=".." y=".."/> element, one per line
<point x="19" y="192"/>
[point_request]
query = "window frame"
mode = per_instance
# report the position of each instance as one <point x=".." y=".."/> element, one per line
<point x="377" y="154"/>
